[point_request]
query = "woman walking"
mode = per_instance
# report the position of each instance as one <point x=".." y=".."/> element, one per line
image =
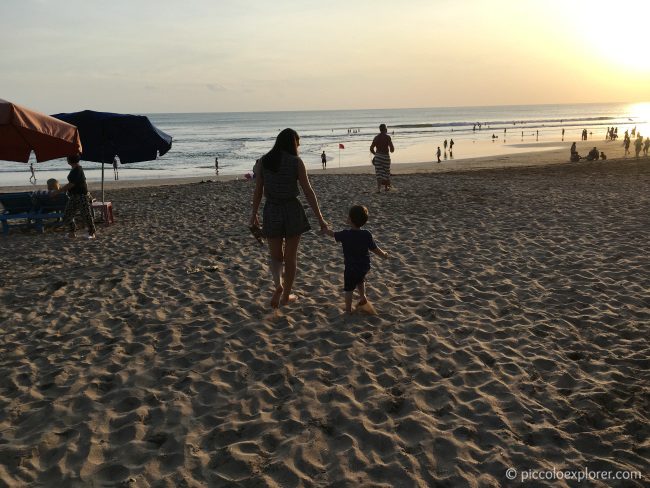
<point x="380" y="147"/>
<point x="79" y="199"/>
<point x="277" y="175"/>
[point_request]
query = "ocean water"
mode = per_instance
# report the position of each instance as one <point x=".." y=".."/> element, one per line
<point x="238" y="139"/>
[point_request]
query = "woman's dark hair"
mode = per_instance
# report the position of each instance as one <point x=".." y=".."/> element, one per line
<point x="287" y="141"/>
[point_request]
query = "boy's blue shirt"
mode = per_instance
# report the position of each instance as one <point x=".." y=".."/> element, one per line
<point x="356" y="244"/>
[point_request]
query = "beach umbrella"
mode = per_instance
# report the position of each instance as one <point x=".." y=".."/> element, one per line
<point x="23" y="131"/>
<point x="105" y="135"/>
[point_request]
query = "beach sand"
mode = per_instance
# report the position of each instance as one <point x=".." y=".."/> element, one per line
<point x="512" y="332"/>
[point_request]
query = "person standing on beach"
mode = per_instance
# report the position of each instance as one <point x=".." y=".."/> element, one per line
<point x="637" y="146"/>
<point x="562" y="135"/>
<point x="380" y="147"/>
<point x="646" y="146"/>
<point x="116" y="173"/>
<point x="278" y="174"/>
<point x="451" y="145"/>
<point x="32" y="178"/>
<point x="438" y="153"/>
<point x="216" y="165"/>
<point x="323" y="160"/>
<point x="78" y="199"/>
<point x="444" y="144"/>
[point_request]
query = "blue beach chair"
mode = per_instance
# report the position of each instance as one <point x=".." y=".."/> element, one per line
<point x="17" y="206"/>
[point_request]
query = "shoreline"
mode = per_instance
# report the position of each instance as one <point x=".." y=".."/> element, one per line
<point x="505" y="161"/>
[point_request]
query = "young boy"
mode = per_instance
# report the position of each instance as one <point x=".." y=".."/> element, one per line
<point x="356" y="244"/>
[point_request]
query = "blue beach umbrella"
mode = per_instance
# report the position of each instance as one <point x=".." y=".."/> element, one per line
<point x="104" y="135"/>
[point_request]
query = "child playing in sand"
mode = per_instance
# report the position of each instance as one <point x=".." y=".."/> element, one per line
<point x="356" y="244"/>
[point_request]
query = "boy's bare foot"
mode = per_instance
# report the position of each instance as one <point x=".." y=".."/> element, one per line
<point x="362" y="302"/>
<point x="367" y="308"/>
<point x="275" y="299"/>
<point x="288" y="299"/>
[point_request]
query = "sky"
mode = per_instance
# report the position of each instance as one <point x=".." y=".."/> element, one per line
<point x="143" y="56"/>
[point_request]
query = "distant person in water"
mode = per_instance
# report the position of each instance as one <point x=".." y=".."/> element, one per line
<point x="323" y="160"/>
<point x="216" y="165"/>
<point x="381" y="147"/>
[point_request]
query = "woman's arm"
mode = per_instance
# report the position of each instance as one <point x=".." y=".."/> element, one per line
<point x="309" y="194"/>
<point x="257" y="198"/>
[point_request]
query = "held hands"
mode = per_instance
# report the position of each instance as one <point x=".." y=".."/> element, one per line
<point x="324" y="226"/>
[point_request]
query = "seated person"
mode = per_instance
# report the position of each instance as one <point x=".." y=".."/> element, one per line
<point x="602" y="156"/>
<point x="48" y="200"/>
<point x="575" y="157"/>
<point x="593" y="155"/>
<point x="52" y="185"/>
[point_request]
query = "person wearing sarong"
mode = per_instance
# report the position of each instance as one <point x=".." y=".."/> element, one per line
<point x="380" y="147"/>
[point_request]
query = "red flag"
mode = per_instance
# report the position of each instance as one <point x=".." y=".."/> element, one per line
<point x="341" y="146"/>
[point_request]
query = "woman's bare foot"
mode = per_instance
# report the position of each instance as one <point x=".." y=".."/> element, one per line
<point x="275" y="300"/>
<point x="288" y="299"/>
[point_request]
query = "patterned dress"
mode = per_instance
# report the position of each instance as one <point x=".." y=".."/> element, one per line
<point x="283" y="215"/>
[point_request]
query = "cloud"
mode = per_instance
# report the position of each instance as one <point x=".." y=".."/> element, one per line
<point x="215" y="87"/>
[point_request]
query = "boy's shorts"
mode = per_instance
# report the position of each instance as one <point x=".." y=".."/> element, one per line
<point x="352" y="278"/>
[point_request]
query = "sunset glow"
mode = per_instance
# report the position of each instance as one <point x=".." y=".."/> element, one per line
<point x="207" y="56"/>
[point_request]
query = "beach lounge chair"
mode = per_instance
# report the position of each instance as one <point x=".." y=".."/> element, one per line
<point x="16" y="206"/>
<point x="47" y="207"/>
<point x="30" y="209"/>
